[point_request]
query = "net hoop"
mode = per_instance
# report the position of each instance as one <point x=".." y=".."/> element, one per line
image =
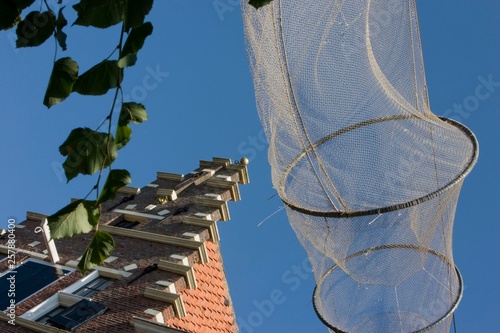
<point x="450" y="311"/>
<point x="346" y="214"/>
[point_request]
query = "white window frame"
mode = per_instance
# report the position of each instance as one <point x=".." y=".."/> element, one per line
<point x="56" y="266"/>
<point x="63" y="297"/>
<point x="80" y="283"/>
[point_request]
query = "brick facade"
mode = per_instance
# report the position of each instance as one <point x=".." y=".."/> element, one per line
<point x="175" y="227"/>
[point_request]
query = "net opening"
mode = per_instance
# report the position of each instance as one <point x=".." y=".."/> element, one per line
<point x="459" y="293"/>
<point x="347" y="214"/>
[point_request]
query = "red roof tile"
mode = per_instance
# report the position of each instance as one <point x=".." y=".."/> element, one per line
<point x="205" y="306"/>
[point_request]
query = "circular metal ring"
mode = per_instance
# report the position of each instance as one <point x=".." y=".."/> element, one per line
<point x="393" y="246"/>
<point x="346" y="214"/>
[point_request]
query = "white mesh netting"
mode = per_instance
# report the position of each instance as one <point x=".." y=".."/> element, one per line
<point x="369" y="175"/>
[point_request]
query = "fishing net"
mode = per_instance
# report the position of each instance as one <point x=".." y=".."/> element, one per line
<point x="369" y="175"/>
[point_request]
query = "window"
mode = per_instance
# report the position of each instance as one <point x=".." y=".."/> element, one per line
<point x="93" y="287"/>
<point x="30" y="277"/>
<point x="126" y="224"/>
<point x="48" y="315"/>
<point x="71" y="307"/>
<point x="76" y="315"/>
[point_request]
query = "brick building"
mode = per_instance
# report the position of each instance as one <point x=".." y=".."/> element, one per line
<point x="165" y="274"/>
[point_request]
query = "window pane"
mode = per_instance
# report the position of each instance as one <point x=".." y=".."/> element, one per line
<point x="126" y="224"/>
<point x="43" y="320"/>
<point x="29" y="278"/>
<point x="77" y="314"/>
<point x="93" y="287"/>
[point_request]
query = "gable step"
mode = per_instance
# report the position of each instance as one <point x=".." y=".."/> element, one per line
<point x="163" y="239"/>
<point x="186" y="271"/>
<point x="164" y="296"/>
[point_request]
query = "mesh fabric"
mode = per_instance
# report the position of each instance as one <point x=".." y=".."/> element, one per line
<point x="369" y="174"/>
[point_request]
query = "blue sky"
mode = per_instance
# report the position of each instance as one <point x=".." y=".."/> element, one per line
<point x="193" y="77"/>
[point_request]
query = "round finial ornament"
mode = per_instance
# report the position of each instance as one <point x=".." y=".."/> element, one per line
<point x="244" y="161"/>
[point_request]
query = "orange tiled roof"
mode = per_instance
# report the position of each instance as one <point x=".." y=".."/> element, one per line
<point x="208" y="307"/>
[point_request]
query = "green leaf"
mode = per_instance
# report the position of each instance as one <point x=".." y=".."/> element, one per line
<point x="132" y="112"/>
<point x="99" y="79"/>
<point x="22" y="4"/>
<point x="10" y="11"/>
<point x="122" y="136"/>
<point x="35" y="29"/>
<point x="63" y="76"/>
<point x="94" y="211"/>
<point x="259" y="3"/>
<point x="87" y="152"/>
<point x="9" y="14"/>
<point x="136" y="12"/>
<point x="78" y="217"/>
<point x="127" y="60"/>
<point x="116" y="178"/>
<point x="99" y="249"/>
<point x="133" y="44"/>
<point x="60" y="24"/>
<point x="99" y="13"/>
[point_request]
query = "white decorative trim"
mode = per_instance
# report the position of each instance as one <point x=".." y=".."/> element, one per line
<point x="110" y="259"/>
<point x="163" y="212"/>
<point x="41" y="309"/>
<point x="50" y="245"/>
<point x="163" y="239"/>
<point x="174" y="299"/>
<point x="211" y="171"/>
<point x="211" y="225"/>
<point x="72" y="263"/>
<point x="227" y="185"/>
<point x="130" y="267"/>
<point x="129" y="212"/>
<point x="203" y="216"/>
<point x="213" y="196"/>
<point x="67" y="300"/>
<point x="80" y="283"/>
<point x="168" y="284"/>
<point x="142" y="325"/>
<point x="5" y="249"/>
<point x="183" y="259"/>
<point x="228" y="178"/>
<point x="169" y="176"/>
<point x="196" y="237"/>
<point x="35" y="216"/>
<point x="104" y="271"/>
<point x="221" y="205"/>
<point x="129" y="190"/>
<point x="242" y="172"/>
<point x="157" y="315"/>
<point x="166" y="194"/>
<point x="186" y="271"/>
<point x="112" y="273"/>
<point x="33" y="326"/>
